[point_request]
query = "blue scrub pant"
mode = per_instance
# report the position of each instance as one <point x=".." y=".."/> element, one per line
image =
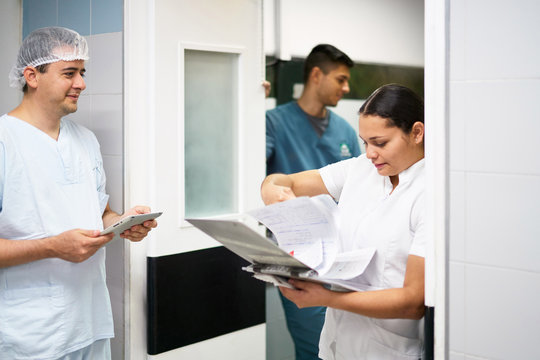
<point x="98" y="350"/>
<point x="305" y="327"/>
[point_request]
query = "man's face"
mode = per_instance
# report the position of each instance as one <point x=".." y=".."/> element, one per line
<point x="334" y="85"/>
<point x="60" y="86"/>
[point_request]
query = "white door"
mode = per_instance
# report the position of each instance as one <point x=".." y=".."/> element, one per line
<point x="194" y="139"/>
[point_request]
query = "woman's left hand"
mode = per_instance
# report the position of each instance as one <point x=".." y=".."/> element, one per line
<point x="307" y="294"/>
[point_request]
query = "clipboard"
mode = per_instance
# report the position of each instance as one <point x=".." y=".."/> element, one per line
<point x="268" y="262"/>
<point x="247" y="243"/>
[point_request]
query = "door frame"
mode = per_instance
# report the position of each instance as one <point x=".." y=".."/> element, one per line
<point x="139" y="147"/>
<point x="436" y="91"/>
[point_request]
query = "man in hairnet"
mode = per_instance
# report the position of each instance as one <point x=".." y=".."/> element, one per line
<point x="54" y="303"/>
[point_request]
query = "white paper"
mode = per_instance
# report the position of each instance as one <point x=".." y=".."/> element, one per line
<point x="307" y="229"/>
<point x="350" y="264"/>
<point x="274" y="280"/>
<point x="304" y="227"/>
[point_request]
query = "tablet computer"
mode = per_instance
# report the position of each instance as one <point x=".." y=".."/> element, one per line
<point x="130" y="221"/>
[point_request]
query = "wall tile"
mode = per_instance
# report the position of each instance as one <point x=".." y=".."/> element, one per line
<point x="457" y="96"/>
<point x="456" y="311"/>
<point x="105" y="64"/>
<point x="115" y="268"/>
<point x="38" y="14"/>
<point x="502" y="39"/>
<point x="456" y="356"/>
<point x="457" y="39"/>
<point x="107" y="16"/>
<point x="75" y="15"/>
<point x="502" y="220"/>
<point x="117" y="347"/>
<point x="457" y="216"/>
<point x="502" y="314"/>
<point x="107" y="123"/>
<point x="115" y="254"/>
<point x="115" y="175"/>
<point x="116" y="292"/>
<point x="84" y="16"/>
<point x="502" y="122"/>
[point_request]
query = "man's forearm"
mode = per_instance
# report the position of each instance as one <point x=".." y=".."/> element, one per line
<point x="17" y="252"/>
<point x="109" y="217"/>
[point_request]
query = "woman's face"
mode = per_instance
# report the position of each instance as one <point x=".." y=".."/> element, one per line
<point x="388" y="147"/>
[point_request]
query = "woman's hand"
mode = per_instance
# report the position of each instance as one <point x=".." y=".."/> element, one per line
<point x="406" y="302"/>
<point x="277" y="188"/>
<point x="272" y="193"/>
<point x="307" y="294"/>
<point x="280" y="187"/>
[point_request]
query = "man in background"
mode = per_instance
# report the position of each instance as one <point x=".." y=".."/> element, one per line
<point x="54" y="302"/>
<point x="305" y="135"/>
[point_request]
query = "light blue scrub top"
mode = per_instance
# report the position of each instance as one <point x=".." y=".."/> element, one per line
<point x="51" y="307"/>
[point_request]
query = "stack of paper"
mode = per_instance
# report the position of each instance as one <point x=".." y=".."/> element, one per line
<point x="308" y="245"/>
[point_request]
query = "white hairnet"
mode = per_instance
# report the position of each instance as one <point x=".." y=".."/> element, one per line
<point x="45" y="46"/>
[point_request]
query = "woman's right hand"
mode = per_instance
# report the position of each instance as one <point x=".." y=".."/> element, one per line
<point x="272" y="193"/>
<point x="280" y="187"/>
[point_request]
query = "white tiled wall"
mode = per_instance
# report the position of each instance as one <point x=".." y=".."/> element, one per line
<point x="10" y="23"/>
<point x="100" y="110"/>
<point x="494" y="179"/>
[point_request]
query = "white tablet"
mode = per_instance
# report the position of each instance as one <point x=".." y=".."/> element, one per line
<point x="130" y="221"/>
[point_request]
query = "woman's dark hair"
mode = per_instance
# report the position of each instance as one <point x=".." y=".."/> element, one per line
<point x="396" y="103"/>
<point x="326" y="57"/>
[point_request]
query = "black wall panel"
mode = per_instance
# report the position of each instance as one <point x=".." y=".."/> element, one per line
<point x="198" y="295"/>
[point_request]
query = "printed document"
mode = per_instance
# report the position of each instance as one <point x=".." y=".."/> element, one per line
<point x="306" y="227"/>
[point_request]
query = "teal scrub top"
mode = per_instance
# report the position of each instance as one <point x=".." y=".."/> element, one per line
<point x="51" y="307"/>
<point x="292" y="145"/>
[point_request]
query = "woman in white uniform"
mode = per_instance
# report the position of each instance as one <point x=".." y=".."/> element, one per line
<point x="381" y="199"/>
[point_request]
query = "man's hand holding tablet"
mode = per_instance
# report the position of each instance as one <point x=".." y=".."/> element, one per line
<point x="129" y="221"/>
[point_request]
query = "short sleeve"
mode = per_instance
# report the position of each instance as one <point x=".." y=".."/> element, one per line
<point x="418" y="228"/>
<point x="334" y="176"/>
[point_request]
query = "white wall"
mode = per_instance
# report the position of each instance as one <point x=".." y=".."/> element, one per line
<point x="382" y="31"/>
<point x="10" y="40"/>
<point x="495" y="179"/>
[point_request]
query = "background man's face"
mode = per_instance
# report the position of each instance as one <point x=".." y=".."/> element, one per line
<point x="334" y="85"/>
